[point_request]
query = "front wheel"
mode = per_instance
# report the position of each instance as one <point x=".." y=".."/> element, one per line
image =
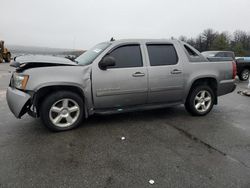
<point x="200" y="101"/>
<point x="62" y="111"/>
<point x="244" y="75"/>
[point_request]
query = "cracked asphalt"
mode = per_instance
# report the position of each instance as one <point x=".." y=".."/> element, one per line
<point x="168" y="146"/>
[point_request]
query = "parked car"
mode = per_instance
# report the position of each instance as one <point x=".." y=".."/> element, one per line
<point x="243" y="63"/>
<point x="243" y="68"/>
<point x="226" y="54"/>
<point x="118" y="76"/>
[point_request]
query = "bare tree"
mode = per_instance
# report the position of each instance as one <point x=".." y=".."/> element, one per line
<point x="212" y="40"/>
<point x="221" y="42"/>
<point x="208" y="37"/>
<point x="183" y="38"/>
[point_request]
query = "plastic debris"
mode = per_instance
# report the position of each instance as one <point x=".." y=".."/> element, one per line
<point x="244" y="93"/>
<point x="123" y="138"/>
<point x="151" y="182"/>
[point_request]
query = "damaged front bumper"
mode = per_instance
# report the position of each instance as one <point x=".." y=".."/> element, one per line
<point x="19" y="102"/>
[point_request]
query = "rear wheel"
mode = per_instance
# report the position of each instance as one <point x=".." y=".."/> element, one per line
<point x="244" y="75"/>
<point x="200" y="101"/>
<point x="62" y="111"/>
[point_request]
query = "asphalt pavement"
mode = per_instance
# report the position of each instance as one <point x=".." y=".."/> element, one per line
<point x="157" y="148"/>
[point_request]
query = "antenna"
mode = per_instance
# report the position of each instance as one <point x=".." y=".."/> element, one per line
<point x="112" y="39"/>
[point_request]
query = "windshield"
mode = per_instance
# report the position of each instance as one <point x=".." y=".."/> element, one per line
<point x="89" y="56"/>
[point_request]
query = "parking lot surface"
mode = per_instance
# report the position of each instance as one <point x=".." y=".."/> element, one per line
<point x="167" y="146"/>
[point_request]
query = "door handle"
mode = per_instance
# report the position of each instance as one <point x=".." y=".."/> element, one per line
<point x="138" y="74"/>
<point x="176" y="71"/>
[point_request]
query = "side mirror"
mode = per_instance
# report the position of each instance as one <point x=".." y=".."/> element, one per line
<point x="107" y="61"/>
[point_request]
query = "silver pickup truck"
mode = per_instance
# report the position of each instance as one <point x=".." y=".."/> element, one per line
<point x="114" y="77"/>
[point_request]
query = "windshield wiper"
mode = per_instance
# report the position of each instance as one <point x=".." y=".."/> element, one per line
<point x="75" y="61"/>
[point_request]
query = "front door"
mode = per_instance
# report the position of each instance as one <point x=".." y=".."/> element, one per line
<point x="165" y="71"/>
<point x="124" y="84"/>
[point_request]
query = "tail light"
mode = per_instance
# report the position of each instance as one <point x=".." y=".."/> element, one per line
<point x="234" y="69"/>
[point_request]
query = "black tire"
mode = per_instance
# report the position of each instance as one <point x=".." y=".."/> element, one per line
<point x="190" y="101"/>
<point x="51" y="100"/>
<point x="8" y="58"/>
<point x="1" y="58"/>
<point x="244" y="75"/>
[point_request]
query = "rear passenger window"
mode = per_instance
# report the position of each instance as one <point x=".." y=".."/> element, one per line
<point x="127" y="56"/>
<point x="191" y="52"/>
<point x="162" y="54"/>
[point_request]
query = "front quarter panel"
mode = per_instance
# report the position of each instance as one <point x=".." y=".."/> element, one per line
<point x="45" y="76"/>
<point x="78" y="76"/>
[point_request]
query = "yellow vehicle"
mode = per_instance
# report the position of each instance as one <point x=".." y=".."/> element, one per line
<point x="4" y="53"/>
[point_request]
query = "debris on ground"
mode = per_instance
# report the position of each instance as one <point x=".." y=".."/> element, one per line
<point x="123" y="138"/>
<point x="151" y="182"/>
<point x="244" y="93"/>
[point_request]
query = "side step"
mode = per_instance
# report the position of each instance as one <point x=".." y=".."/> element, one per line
<point x="107" y="111"/>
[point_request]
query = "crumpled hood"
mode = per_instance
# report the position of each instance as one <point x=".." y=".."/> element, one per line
<point x="43" y="59"/>
<point x="32" y="61"/>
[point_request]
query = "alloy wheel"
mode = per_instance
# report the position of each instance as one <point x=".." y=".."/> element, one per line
<point x="245" y="74"/>
<point x="202" y="101"/>
<point x="64" y="112"/>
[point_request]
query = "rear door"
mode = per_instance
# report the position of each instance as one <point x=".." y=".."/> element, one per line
<point x="165" y="74"/>
<point x="124" y="84"/>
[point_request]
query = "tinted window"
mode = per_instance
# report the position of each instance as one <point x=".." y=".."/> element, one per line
<point x="127" y="56"/>
<point x="162" y="54"/>
<point x="228" y="54"/>
<point x="220" y="54"/>
<point x="190" y="51"/>
<point x="225" y="54"/>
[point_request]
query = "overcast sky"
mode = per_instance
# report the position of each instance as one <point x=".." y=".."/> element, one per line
<point x="83" y="23"/>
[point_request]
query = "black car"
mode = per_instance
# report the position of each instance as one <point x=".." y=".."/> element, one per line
<point x="243" y="68"/>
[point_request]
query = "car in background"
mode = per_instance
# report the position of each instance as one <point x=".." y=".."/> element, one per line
<point x="243" y="63"/>
<point x="228" y="54"/>
<point x="243" y="68"/>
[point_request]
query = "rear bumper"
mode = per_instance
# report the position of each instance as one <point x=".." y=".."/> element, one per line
<point x="226" y="86"/>
<point x="18" y="101"/>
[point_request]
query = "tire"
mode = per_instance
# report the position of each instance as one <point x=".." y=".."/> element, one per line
<point x="8" y="58"/>
<point x="1" y="58"/>
<point x="62" y="110"/>
<point x="244" y="75"/>
<point x="200" y="94"/>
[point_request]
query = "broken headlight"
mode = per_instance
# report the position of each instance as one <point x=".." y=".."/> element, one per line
<point x="20" y="81"/>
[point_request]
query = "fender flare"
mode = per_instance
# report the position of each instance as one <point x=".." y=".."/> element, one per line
<point x="51" y="87"/>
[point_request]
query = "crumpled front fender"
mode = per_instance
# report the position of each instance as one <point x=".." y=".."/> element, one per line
<point x="18" y="101"/>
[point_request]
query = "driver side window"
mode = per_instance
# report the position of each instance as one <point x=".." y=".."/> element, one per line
<point x="127" y="56"/>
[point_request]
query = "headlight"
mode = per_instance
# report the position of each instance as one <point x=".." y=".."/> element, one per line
<point x="20" y="81"/>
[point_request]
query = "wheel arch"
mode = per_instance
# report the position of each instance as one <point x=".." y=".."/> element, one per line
<point x="43" y="92"/>
<point x="210" y="81"/>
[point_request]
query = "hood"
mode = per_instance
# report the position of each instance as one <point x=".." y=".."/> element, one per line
<point x="33" y="61"/>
